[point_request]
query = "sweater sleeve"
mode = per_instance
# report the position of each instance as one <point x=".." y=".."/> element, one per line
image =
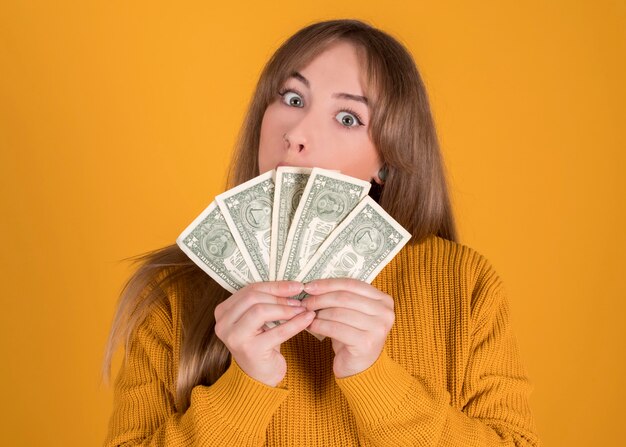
<point x="394" y="408"/>
<point x="235" y="410"/>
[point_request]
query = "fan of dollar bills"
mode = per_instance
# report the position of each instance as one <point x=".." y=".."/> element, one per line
<point x="293" y="224"/>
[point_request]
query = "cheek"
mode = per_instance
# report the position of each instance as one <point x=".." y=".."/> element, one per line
<point x="274" y="123"/>
<point x="357" y="158"/>
<point x="270" y="140"/>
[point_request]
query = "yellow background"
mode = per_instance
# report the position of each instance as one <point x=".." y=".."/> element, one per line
<point x="116" y="123"/>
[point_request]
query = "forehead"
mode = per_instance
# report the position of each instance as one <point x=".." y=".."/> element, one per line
<point x="340" y="64"/>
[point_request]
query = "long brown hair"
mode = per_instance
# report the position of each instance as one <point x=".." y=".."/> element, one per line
<point x="414" y="193"/>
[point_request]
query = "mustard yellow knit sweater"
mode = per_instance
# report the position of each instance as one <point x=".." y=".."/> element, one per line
<point x="450" y="374"/>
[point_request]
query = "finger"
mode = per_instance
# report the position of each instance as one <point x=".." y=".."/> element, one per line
<point x="319" y="286"/>
<point x="232" y="309"/>
<point x="253" y="320"/>
<point x="344" y="299"/>
<point x="248" y="302"/>
<point x="275" y="288"/>
<point x="283" y="332"/>
<point x="343" y="333"/>
<point x="349" y="317"/>
<point x="278" y="288"/>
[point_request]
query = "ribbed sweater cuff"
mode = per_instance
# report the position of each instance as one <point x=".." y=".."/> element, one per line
<point x="379" y="391"/>
<point x="243" y="402"/>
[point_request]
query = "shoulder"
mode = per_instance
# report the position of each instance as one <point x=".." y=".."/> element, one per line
<point x="442" y="258"/>
<point x="482" y="286"/>
<point x="443" y="271"/>
<point x="150" y="296"/>
<point x="159" y="306"/>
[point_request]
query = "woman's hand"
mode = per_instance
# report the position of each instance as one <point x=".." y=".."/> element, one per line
<point x="240" y="320"/>
<point x="355" y="315"/>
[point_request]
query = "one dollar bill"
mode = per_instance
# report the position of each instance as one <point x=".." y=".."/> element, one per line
<point x="247" y="210"/>
<point x="209" y="243"/>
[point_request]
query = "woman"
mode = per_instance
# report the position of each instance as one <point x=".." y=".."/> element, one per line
<point x="423" y="356"/>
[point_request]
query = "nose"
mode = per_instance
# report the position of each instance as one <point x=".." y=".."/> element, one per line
<point x="299" y="136"/>
<point x="287" y="138"/>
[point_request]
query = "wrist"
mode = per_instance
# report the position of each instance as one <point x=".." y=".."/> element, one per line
<point x="343" y="369"/>
<point x="267" y="376"/>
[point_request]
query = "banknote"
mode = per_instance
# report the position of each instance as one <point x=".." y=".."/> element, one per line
<point x="209" y="243"/>
<point x="359" y="247"/>
<point x="290" y="183"/>
<point x="327" y="199"/>
<point x="247" y="210"/>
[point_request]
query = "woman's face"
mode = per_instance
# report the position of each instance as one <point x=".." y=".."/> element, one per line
<point x="320" y="118"/>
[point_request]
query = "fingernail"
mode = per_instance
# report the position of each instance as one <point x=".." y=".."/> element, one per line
<point x="294" y="303"/>
<point x="310" y="287"/>
<point x="309" y="315"/>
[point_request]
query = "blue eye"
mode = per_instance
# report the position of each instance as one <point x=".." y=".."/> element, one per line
<point x="349" y="119"/>
<point x="292" y="98"/>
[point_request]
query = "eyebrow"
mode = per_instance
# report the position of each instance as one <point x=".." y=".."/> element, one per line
<point x="306" y="82"/>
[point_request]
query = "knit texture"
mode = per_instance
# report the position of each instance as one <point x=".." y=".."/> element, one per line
<point x="450" y="374"/>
